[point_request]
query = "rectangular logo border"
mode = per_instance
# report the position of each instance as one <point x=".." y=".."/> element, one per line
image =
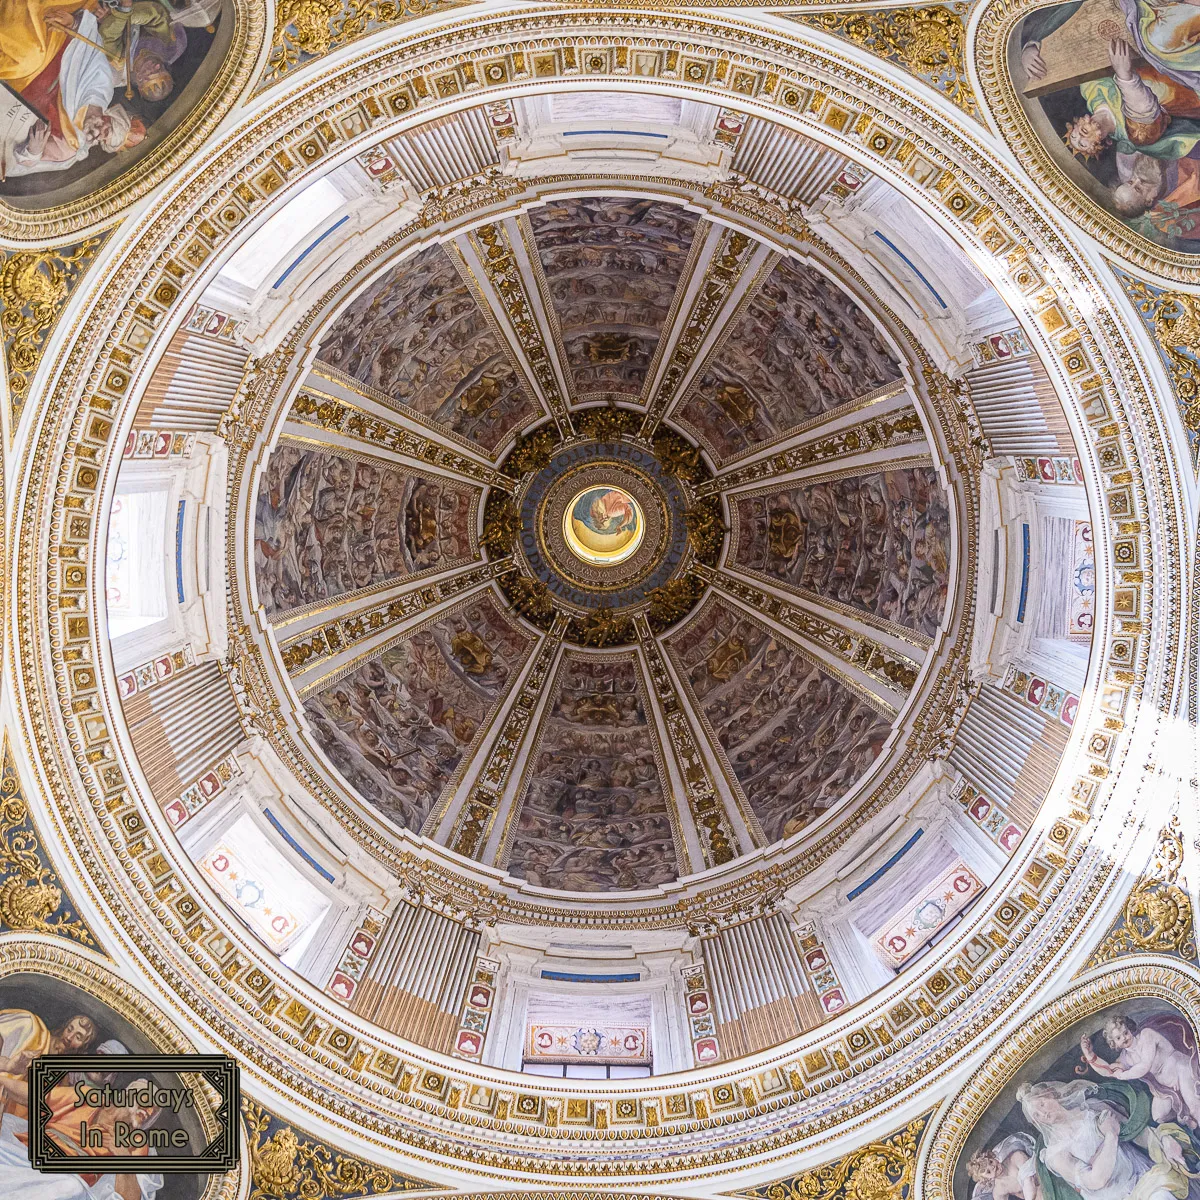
<point x="221" y="1154"/>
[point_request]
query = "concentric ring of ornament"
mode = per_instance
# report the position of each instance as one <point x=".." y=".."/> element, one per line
<point x="548" y="503"/>
<point x="67" y="789"/>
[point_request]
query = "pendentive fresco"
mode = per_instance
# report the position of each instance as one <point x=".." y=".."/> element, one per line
<point x="90" y="88"/>
<point x="1112" y="90"/>
<point x="43" y="1015"/>
<point x="1107" y="1110"/>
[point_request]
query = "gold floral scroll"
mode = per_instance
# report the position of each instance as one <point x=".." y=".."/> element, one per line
<point x="32" y="899"/>
<point x="287" y="1164"/>
<point x="1173" y="321"/>
<point x="881" y="1170"/>
<point x="1157" y="915"/>
<point x="35" y="286"/>
<point x="929" y="43"/>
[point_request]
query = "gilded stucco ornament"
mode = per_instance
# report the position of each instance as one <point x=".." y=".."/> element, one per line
<point x="35" y="286"/>
<point x="1172" y="318"/>
<point x="1157" y="915"/>
<point x="32" y="897"/>
<point x="996" y="25"/>
<point x="881" y="1170"/>
<point x="416" y="1103"/>
<point x="309" y="29"/>
<point x="286" y="1164"/>
<point x="929" y="42"/>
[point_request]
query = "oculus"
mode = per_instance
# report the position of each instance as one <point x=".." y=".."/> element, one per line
<point x="603" y="526"/>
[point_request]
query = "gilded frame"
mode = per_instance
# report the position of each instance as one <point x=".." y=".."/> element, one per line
<point x="993" y="28"/>
<point x="23" y="953"/>
<point x="1152" y="978"/>
<point x="35" y="227"/>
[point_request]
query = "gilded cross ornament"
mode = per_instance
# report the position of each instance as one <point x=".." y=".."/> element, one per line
<point x="1173" y="321"/>
<point x="1157" y="915"/>
<point x="882" y="1170"/>
<point x="284" y="1163"/>
<point x="35" y="286"/>
<point x="928" y="42"/>
<point x="32" y="899"/>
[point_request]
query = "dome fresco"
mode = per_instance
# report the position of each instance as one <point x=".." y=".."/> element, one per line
<point x="615" y="528"/>
<point x="599" y="598"/>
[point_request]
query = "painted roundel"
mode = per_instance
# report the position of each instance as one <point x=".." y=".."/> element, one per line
<point x="603" y="525"/>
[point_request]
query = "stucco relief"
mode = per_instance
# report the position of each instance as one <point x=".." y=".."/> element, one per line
<point x="418" y="335"/>
<point x="397" y="727"/>
<point x="795" y="738"/>
<point x="877" y="542"/>
<point x="595" y="817"/>
<point x="325" y="525"/>
<point x="800" y="348"/>
<point x="612" y="265"/>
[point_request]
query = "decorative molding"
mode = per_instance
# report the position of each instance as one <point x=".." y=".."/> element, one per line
<point x="929" y="43"/>
<point x="895" y="671"/>
<point x="1157" y="915"/>
<point x="899" y="428"/>
<point x="306" y="30"/>
<point x="722" y="273"/>
<point x="718" y="842"/>
<point x="285" y="1164"/>
<point x="1173" y="321"/>
<point x="35" y="286"/>
<point x="881" y="1170"/>
<point x="32" y="898"/>
<point x="315" y="646"/>
<point x="504" y="276"/>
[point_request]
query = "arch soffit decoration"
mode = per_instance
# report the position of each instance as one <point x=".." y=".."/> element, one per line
<point x="1119" y="433"/>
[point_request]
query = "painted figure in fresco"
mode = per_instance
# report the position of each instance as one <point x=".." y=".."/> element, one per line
<point x="1139" y="133"/>
<point x="1006" y="1172"/>
<point x="611" y="512"/>
<point x="23" y="1037"/>
<point x="88" y="75"/>
<point x="1173" y="1075"/>
<point x="1097" y="1142"/>
<point x="20" y="1181"/>
<point x="594" y="817"/>
<point x="1109" y="1115"/>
